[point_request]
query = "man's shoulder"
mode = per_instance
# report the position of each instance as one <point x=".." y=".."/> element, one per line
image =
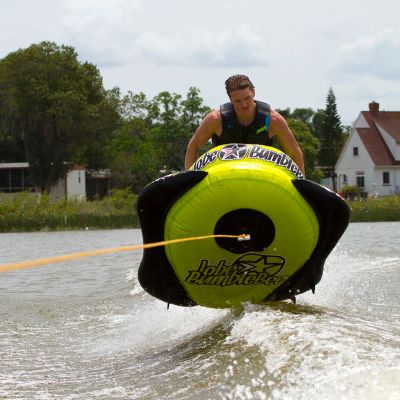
<point x="278" y="122"/>
<point x="275" y="116"/>
<point x="213" y="116"/>
<point x="211" y="124"/>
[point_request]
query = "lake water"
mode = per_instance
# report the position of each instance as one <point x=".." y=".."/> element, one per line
<point x="85" y="329"/>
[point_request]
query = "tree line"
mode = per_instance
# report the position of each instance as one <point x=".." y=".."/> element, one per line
<point x="55" y="112"/>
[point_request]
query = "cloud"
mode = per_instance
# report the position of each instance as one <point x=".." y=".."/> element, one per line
<point x="377" y="56"/>
<point x="230" y="48"/>
<point x="111" y="34"/>
<point x="100" y="29"/>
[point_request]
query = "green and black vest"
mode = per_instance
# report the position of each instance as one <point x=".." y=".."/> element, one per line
<point x="234" y="132"/>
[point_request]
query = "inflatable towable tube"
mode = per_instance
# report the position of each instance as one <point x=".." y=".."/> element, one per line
<point x="237" y="189"/>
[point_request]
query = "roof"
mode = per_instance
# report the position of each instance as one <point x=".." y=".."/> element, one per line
<point x="373" y="140"/>
<point x="14" y="165"/>
<point x="390" y="122"/>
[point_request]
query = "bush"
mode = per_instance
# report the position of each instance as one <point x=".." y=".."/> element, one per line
<point x="350" y="192"/>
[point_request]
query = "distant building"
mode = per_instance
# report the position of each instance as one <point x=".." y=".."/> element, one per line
<point x="14" y="178"/>
<point x="73" y="185"/>
<point x="370" y="159"/>
<point x="98" y="183"/>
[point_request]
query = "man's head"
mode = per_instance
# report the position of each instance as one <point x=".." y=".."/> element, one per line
<point x="238" y="82"/>
<point x="241" y="93"/>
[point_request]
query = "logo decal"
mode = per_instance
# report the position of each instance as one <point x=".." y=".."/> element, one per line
<point x="261" y="130"/>
<point x="205" y="159"/>
<point x="238" y="151"/>
<point x="235" y="151"/>
<point x="280" y="159"/>
<point x="248" y="269"/>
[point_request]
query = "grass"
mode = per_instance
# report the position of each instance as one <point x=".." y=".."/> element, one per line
<point x="374" y="210"/>
<point x="26" y="213"/>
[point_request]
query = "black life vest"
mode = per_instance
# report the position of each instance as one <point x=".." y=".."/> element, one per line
<point x="234" y="132"/>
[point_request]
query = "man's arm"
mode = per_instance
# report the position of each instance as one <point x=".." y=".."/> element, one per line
<point x="210" y="125"/>
<point x="281" y="130"/>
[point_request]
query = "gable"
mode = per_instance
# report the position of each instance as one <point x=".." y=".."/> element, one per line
<point x="372" y="138"/>
<point x="348" y="160"/>
<point x="361" y="122"/>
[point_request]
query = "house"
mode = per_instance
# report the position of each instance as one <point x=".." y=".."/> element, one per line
<point x="370" y="159"/>
<point x="14" y="178"/>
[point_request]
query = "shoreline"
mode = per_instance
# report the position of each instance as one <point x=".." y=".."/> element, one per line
<point x="119" y="212"/>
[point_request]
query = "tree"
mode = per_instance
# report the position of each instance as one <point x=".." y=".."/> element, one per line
<point x="300" y="122"/>
<point x="175" y="122"/>
<point x="331" y="138"/>
<point x="57" y="106"/>
<point x="305" y="115"/>
<point x="153" y="136"/>
<point x="11" y="149"/>
<point x="317" y="123"/>
<point x="308" y="144"/>
<point x="134" y="156"/>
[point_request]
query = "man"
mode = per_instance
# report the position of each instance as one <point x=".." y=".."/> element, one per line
<point x="243" y="120"/>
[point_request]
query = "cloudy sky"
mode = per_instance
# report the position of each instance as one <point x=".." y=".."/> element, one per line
<point x="292" y="50"/>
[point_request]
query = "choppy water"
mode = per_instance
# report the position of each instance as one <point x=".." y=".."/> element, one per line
<point x="85" y="330"/>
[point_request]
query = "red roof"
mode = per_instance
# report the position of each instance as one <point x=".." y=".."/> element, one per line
<point x="373" y="140"/>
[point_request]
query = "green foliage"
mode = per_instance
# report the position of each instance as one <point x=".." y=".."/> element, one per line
<point x="57" y="106"/>
<point x="351" y="189"/>
<point x="378" y="209"/>
<point x="11" y="149"/>
<point x="301" y="123"/>
<point x="331" y="135"/>
<point x="30" y="213"/>
<point x="305" y="115"/>
<point x="153" y="136"/>
<point x="308" y="144"/>
<point x="317" y="123"/>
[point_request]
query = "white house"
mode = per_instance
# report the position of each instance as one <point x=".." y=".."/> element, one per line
<point x="73" y="185"/>
<point x="370" y="159"/>
<point x="14" y="178"/>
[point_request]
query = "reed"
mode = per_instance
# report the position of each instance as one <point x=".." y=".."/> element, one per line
<point x="27" y="213"/>
<point x="376" y="209"/>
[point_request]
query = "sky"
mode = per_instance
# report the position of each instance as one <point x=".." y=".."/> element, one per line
<point x="293" y="51"/>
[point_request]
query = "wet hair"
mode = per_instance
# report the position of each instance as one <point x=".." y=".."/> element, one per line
<point x="237" y="82"/>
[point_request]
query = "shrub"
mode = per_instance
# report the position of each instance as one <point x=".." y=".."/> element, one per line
<point x="350" y="192"/>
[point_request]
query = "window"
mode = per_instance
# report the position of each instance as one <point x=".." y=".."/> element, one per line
<point x="344" y="179"/>
<point x="355" y="151"/>
<point x="15" y="180"/>
<point x="386" y="178"/>
<point x="4" y="180"/>
<point x="360" y="182"/>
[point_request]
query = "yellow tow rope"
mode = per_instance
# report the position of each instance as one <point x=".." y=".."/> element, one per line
<point x="73" y="256"/>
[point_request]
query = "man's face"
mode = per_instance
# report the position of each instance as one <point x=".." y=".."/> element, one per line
<point x="243" y="101"/>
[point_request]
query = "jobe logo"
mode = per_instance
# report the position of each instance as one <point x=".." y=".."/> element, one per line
<point x="205" y="159"/>
<point x="235" y="151"/>
<point x="248" y="269"/>
<point x="238" y="151"/>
